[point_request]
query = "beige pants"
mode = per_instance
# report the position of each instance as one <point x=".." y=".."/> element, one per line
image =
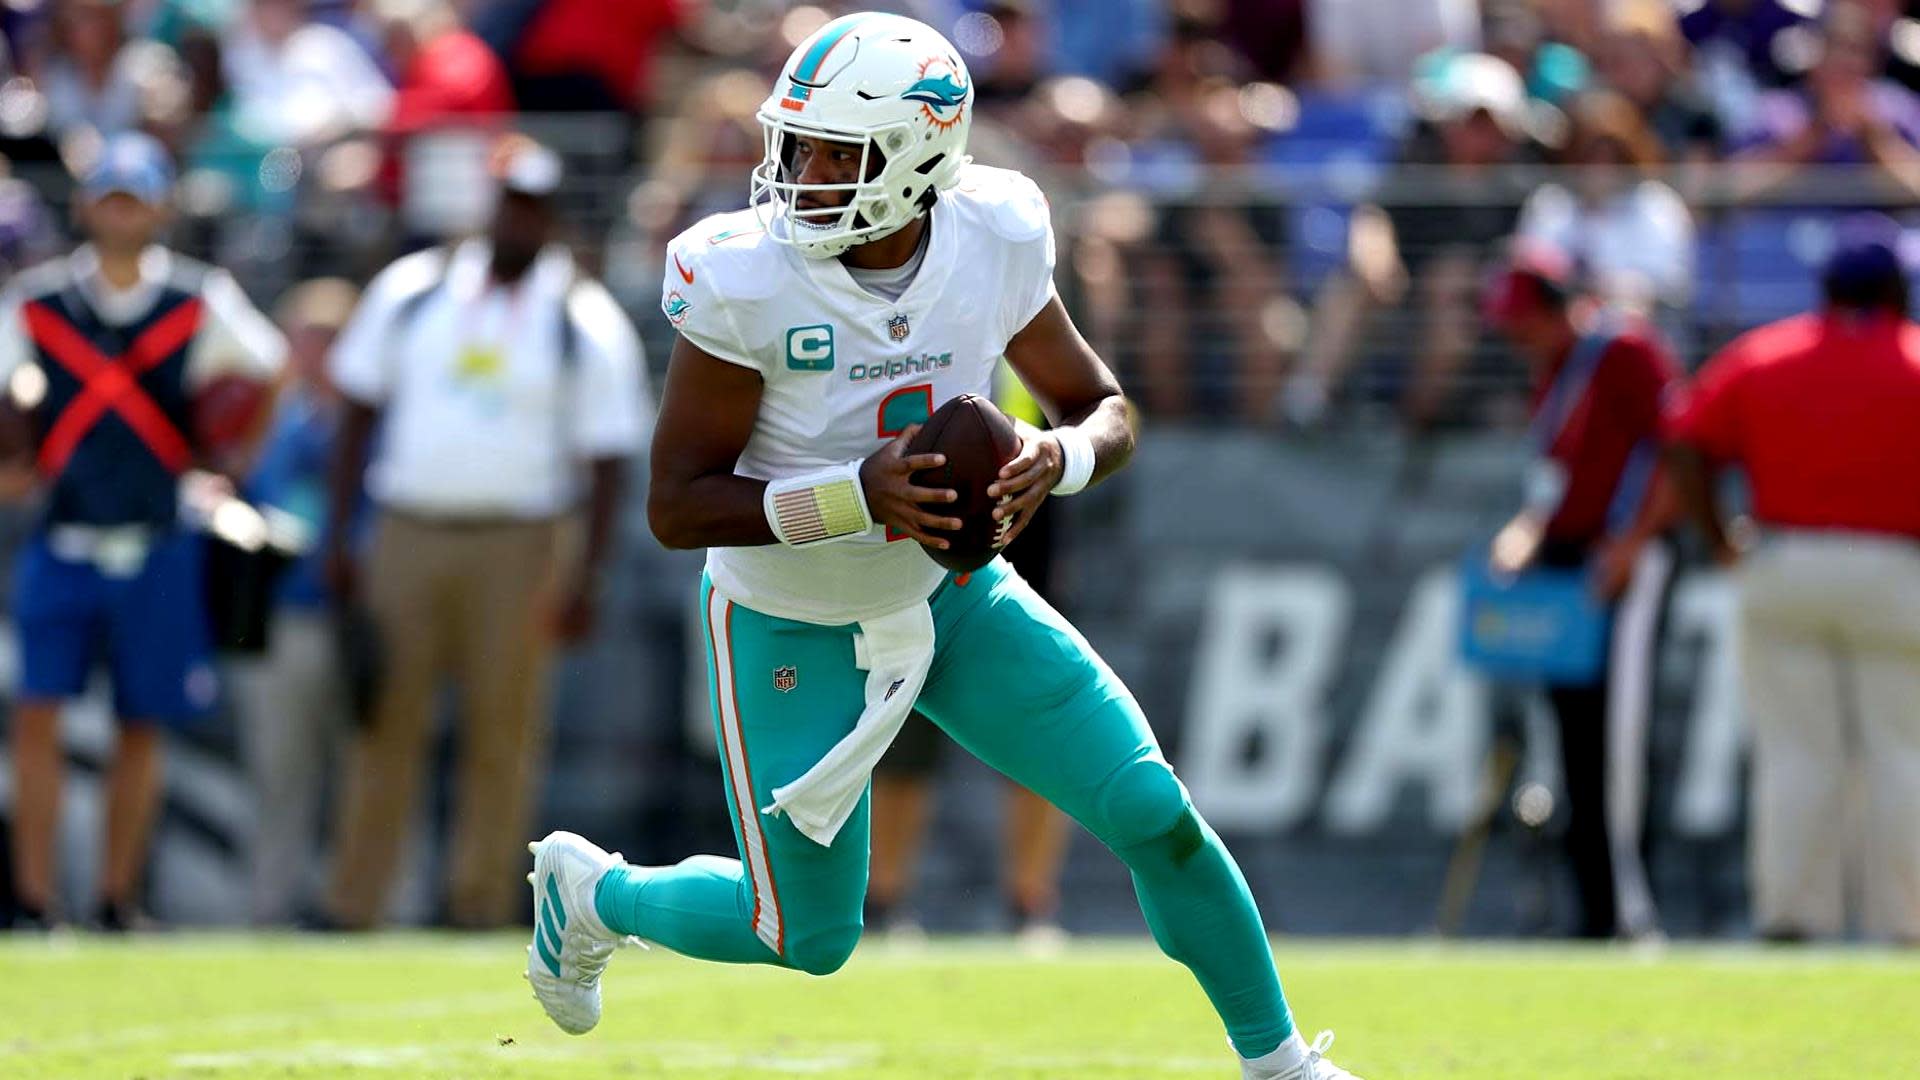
<point x="462" y="600"/>
<point x="1831" y="657"/>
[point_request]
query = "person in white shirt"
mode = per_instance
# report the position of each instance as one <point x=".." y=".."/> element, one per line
<point x="1632" y="233"/>
<point x="300" y="82"/>
<point x="505" y="384"/>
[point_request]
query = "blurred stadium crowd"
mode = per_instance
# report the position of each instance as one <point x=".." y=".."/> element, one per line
<point x="1263" y="197"/>
<point x="1273" y="213"/>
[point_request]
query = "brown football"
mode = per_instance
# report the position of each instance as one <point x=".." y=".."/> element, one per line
<point x="977" y="439"/>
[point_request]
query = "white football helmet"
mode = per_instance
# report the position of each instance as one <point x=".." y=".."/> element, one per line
<point x="883" y="82"/>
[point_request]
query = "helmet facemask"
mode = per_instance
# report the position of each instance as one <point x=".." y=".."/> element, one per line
<point x="875" y="206"/>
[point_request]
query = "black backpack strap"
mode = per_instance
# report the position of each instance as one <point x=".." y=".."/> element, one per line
<point x="410" y="304"/>
<point x="569" y="331"/>
<point x="408" y="309"/>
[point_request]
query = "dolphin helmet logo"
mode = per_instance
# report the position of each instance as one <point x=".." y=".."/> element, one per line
<point x="942" y="97"/>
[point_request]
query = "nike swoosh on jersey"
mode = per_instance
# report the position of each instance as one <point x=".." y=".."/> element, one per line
<point x="685" y="274"/>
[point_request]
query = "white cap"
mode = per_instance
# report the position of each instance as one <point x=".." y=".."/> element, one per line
<point x="1476" y="81"/>
<point x="530" y="169"/>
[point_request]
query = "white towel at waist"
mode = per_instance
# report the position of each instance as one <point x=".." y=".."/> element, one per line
<point x="896" y="652"/>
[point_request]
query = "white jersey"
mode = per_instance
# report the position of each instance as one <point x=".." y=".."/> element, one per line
<point x="845" y="370"/>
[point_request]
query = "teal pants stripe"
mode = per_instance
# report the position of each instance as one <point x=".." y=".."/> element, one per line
<point x="1016" y="685"/>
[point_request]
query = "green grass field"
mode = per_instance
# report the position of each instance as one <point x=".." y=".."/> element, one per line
<point x="427" y="1006"/>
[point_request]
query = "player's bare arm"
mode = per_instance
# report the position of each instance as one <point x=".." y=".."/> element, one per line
<point x="1077" y="390"/>
<point x="696" y="499"/>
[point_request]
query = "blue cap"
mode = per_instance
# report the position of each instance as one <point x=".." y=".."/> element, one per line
<point x="1869" y="249"/>
<point x="132" y="163"/>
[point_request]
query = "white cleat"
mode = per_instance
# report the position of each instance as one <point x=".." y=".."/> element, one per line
<point x="571" y="946"/>
<point x="1316" y="1067"/>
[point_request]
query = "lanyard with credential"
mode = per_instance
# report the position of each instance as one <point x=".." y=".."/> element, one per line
<point x="1546" y="483"/>
<point x="485" y="335"/>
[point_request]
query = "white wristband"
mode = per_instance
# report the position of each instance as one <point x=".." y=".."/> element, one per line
<point x="818" y="507"/>
<point x="1077" y="450"/>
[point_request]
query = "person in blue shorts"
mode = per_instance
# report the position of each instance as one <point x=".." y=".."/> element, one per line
<point x="113" y="355"/>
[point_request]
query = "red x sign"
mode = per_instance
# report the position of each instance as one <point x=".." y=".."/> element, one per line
<point x="108" y="384"/>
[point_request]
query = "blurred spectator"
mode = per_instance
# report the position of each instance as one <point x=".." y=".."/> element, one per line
<point x="1818" y="412"/>
<point x="297" y="82"/>
<point x="1844" y="114"/>
<point x="708" y="143"/>
<point x="499" y="374"/>
<point x="1898" y="23"/>
<point x="28" y="234"/>
<point x="452" y="96"/>
<point x="443" y="73"/>
<point x="1223" y="325"/>
<point x="1073" y="120"/>
<point x="1595" y="504"/>
<point x="1379" y="41"/>
<point x="88" y="75"/>
<point x="1642" y="57"/>
<point x="1575" y="24"/>
<point x="1454" y="205"/>
<point x="117" y="353"/>
<point x="169" y="21"/>
<point x="207" y="135"/>
<point x="1113" y="42"/>
<point x="1754" y="38"/>
<point x="1272" y="36"/>
<point x="1006" y="52"/>
<point x="581" y="55"/>
<point x="1631" y="234"/>
<point x="292" y="702"/>
<point x="1553" y="69"/>
<point x="1006" y="49"/>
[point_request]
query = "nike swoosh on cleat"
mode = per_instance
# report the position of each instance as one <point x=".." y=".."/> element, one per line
<point x="685" y="274"/>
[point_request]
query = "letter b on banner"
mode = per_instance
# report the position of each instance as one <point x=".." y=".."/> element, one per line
<point x="1256" y="734"/>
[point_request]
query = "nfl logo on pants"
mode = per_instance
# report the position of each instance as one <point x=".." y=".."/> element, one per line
<point x="785" y="678"/>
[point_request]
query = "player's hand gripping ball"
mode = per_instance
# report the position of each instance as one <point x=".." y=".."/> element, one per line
<point x="977" y="439"/>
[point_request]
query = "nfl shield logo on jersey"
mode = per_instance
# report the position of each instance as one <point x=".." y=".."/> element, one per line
<point x="897" y="328"/>
<point x="785" y="678"/>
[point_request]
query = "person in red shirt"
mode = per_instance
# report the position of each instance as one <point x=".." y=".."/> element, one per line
<point x="1822" y="414"/>
<point x="1595" y="501"/>
<point x="586" y="55"/>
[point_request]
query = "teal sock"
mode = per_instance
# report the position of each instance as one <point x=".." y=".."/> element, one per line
<point x="702" y="908"/>
<point x="1202" y="914"/>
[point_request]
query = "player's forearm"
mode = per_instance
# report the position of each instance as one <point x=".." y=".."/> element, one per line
<point x="1108" y="425"/>
<point x="715" y="510"/>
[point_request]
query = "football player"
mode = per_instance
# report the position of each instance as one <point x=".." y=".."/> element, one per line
<point x="876" y="274"/>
